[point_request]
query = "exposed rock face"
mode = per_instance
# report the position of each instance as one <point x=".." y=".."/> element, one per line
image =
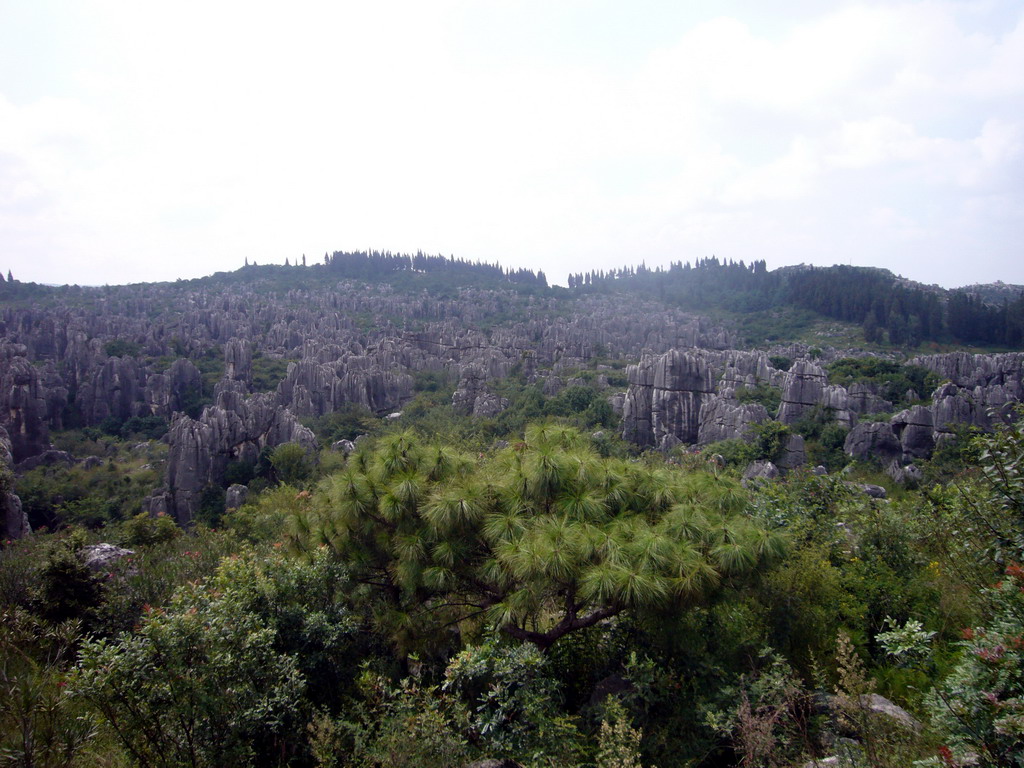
<point x="116" y="390"/>
<point x="803" y="390"/>
<point x="167" y="392"/>
<point x="13" y="521"/>
<point x="235" y="496"/>
<point x="759" y="470"/>
<point x="98" y="557"/>
<point x="665" y="397"/>
<point x="967" y="370"/>
<point x="315" y="389"/>
<point x="873" y="439"/>
<point x="722" y="418"/>
<point x="863" y="400"/>
<point x="237" y="428"/>
<point x="471" y="396"/>
<point x="23" y="406"/>
<point x="914" y="427"/>
<point x="238" y="360"/>
<point x="793" y="454"/>
<point x="48" y="458"/>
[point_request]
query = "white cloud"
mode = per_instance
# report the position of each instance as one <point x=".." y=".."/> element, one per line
<point x="202" y="134"/>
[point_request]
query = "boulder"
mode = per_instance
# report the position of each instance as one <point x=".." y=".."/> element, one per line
<point x="98" y="557"/>
<point x="760" y="470"/>
<point x="235" y="496"/>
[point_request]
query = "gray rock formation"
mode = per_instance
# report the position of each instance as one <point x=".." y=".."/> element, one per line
<point x="168" y="392"/>
<point x="759" y="471"/>
<point x="235" y="496"/>
<point x="238" y="360"/>
<point x="722" y="418"/>
<point x="98" y="557"/>
<point x="914" y="428"/>
<point x="792" y="455"/>
<point x="665" y="397"/>
<point x="13" y="521"/>
<point x="23" y="406"/>
<point x="803" y="390"/>
<point x="237" y="428"/>
<point x="875" y="439"/>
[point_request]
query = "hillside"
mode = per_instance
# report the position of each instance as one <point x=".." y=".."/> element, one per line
<point x="394" y="510"/>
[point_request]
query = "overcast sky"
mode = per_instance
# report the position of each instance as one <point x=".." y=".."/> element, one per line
<point x="143" y="141"/>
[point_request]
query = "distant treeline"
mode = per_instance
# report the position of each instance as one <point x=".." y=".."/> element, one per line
<point x="888" y="309"/>
<point x="373" y="264"/>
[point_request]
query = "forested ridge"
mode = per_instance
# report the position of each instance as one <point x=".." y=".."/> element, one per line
<point x="887" y="309"/>
<point x="406" y="510"/>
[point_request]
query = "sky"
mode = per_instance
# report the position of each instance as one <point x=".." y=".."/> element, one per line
<point x="143" y="141"/>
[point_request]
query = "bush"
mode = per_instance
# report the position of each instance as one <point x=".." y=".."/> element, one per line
<point x="228" y="673"/>
<point x="144" y="530"/>
<point x="291" y="463"/>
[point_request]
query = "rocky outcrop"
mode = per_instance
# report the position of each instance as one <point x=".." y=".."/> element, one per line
<point x="237" y="428"/>
<point x="792" y="454"/>
<point x="168" y="392"/>
<point x="875" y="439"/>
<point x="99" y="557"/>
<point x="802" y="391"/>
<point x="238" y="360"/>
<point x="722" y="418"/>
<point x="863" y="400"/>
<point x="23" y="406"/>
<point x="970" y="371"/>
<point x="665" y="397"/>
<point x="315" y="389"/>
<point x="471" y="396"/>
<point x="13" y="521"/>
<point x="116" y="390"/>
<point x="235" y="496"/>
<point x="914" y="428"/>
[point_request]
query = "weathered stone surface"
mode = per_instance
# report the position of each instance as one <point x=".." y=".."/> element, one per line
<point x="238" y="360"/>
<point x="874" y="491"/>
<point x="98" y="557"/>
<point x="13" y="521"/>
<point x="874" y="439"/>
<point x="49" y="458"/>
<point x="967" y="370"/>
<point x="168" y="392"/>
<point x="236" y="428"/>
<point x="23" y="406"/>
<point x="761" y="469"/>
<point x="471" y="396"/>
<point x="803" y="390"/>
<point x="722" y="418"/>
<point x="315" y="389"/>
<point x="863" y="400"/>
<point x="116" y="390"/>
<point x="235" y="496"/>
<point x="665" y="397"/>
<point x="793" y="454"/>
<point x="909" y="475"/>
<point x="914" y="427"/>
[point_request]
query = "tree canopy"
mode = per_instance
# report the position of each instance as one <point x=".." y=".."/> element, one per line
<point x="542" y="539"/>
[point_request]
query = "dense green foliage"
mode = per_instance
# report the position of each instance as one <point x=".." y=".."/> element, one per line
<point x="546" y="602"/>
<point x="887" y="309"/>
